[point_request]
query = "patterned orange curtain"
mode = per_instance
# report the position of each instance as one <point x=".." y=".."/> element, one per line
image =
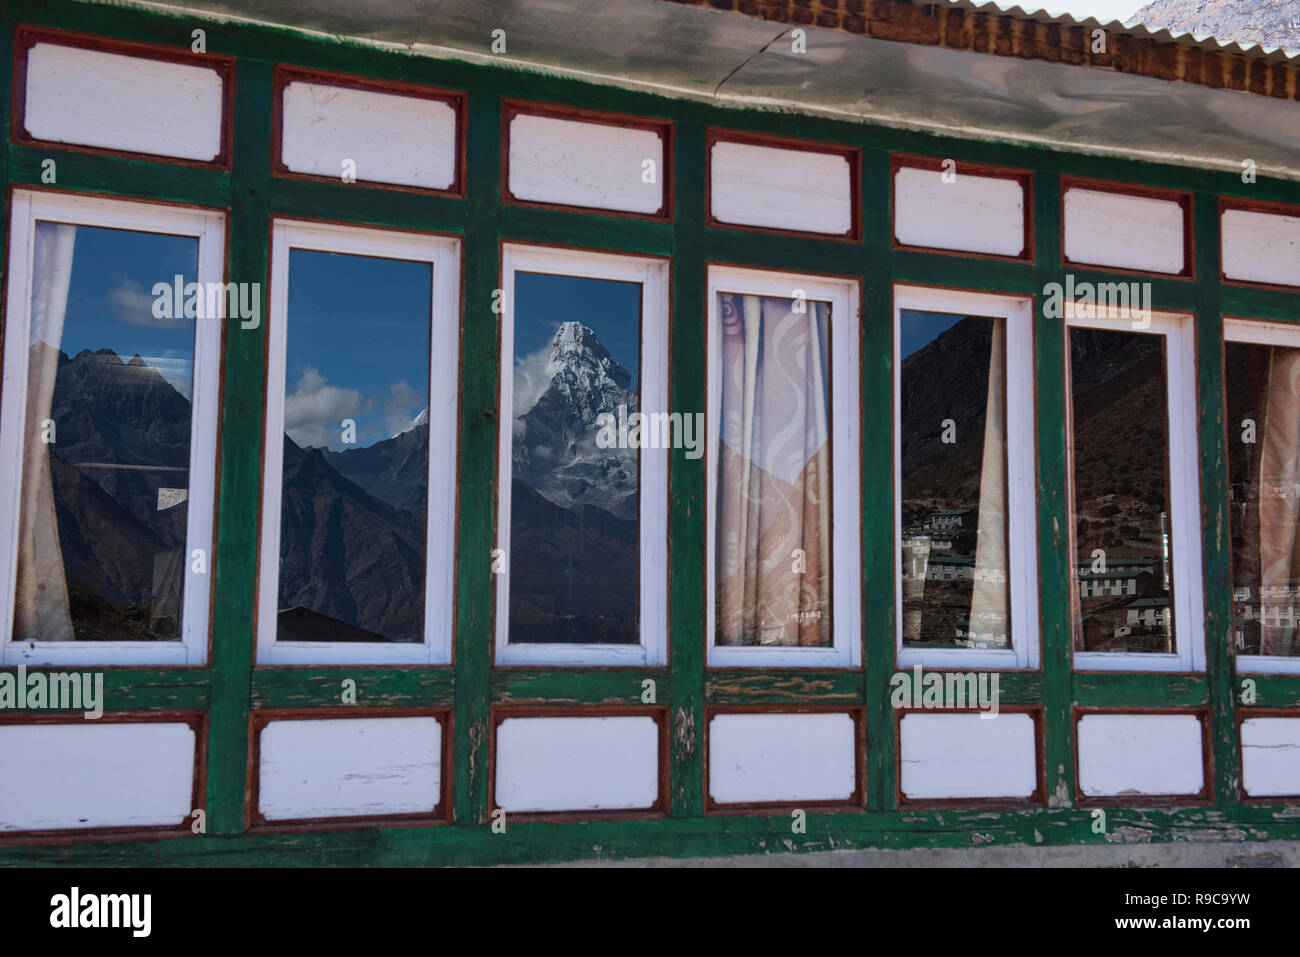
<point x="774" y="474"/>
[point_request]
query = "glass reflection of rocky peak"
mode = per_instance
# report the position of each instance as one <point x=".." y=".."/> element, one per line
<point x="119" y="471"/>
<point x="574" y="543"/>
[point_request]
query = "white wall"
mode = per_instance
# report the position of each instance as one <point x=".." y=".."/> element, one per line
<point x="595" y="165"/>
<point x="349" y="767"/>
<point x="1270" y="756"/>
<point x="599" y="763"/>
<point x="1261" y="247"/>
<point x="1129" y="755"/>
<point x="777" y="758"/>
<point x="394" y="139"/>
<point x="1127" y="232"/>
<point x="980" y="214"/>
<point x="95" y="774"/>
<point x="781" y="188"/>
<point x="967" y="756"/>
<point x="112" y="101"/>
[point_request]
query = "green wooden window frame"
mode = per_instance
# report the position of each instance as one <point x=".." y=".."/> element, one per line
<point x="229" y="690"/>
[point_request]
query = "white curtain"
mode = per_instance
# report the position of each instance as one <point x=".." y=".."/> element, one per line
<point x="1279" y="503"/>
<point x="988" y="613"/>
<point x="41" y="603"/>
<point x="774" y="481"/>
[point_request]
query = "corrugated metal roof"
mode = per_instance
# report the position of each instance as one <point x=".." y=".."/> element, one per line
<point x="1041" y="15"/>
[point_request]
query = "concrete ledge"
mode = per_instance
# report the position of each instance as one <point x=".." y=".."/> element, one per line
<point x="1203" y="855"/>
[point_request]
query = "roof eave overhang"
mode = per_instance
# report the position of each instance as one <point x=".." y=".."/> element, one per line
<point x="946" y="68"/>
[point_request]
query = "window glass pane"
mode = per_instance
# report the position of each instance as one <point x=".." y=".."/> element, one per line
<point x="575" y="470"/>
<point x="1263" y="467"/>
<point x="773" y="508"/>
<point x="105" y="477"/>
<point x="356" y="449"/>
<point x="1120" y="408"/>
<point x="953" y="457"/>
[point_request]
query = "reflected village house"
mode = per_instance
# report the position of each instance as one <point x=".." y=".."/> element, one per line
<point x="940" y="548"/>
<point x="1254" y="605"/>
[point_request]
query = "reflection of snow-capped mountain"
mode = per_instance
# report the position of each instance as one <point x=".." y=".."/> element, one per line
<point x="415" y="423"/>
<point x="555" y="450"/>
<point x="573" y="544"/>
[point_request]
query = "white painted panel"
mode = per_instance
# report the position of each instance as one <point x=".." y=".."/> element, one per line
<point x="1123" y="755"/>
<point x="401" y="140"/>
<point x="1261" y="247"/>
<point x="349" y="767"/>
<point x="967" y="756"/>
<point x="113" y="101"/>
<point x="1270" y="756"/>
<point x="979" y="214"/>
<point x="577" y="764"/>
<point x="771" y="758"/>
<point x="95" y="774"/>
<point x="1128" y="232"/>
<point x="781" y="189"/>
<point x="572" y="163"/>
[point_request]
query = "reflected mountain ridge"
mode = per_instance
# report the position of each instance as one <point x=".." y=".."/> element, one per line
<point x="574" y="542"/>
<point x="119" y="467"/>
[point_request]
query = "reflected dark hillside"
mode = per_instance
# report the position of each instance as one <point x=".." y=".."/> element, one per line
<point x="1121" y="452"/>
<point x="119" y="470"/>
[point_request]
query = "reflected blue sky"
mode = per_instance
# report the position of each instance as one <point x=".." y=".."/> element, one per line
<point x="110" y="298"/>
<point x="916" y="329"/>
<point x="609" y="308"/>
<point x="358" y="346"/>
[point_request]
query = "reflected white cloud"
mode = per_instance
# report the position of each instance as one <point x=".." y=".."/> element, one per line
<point x="315" y="410"/>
